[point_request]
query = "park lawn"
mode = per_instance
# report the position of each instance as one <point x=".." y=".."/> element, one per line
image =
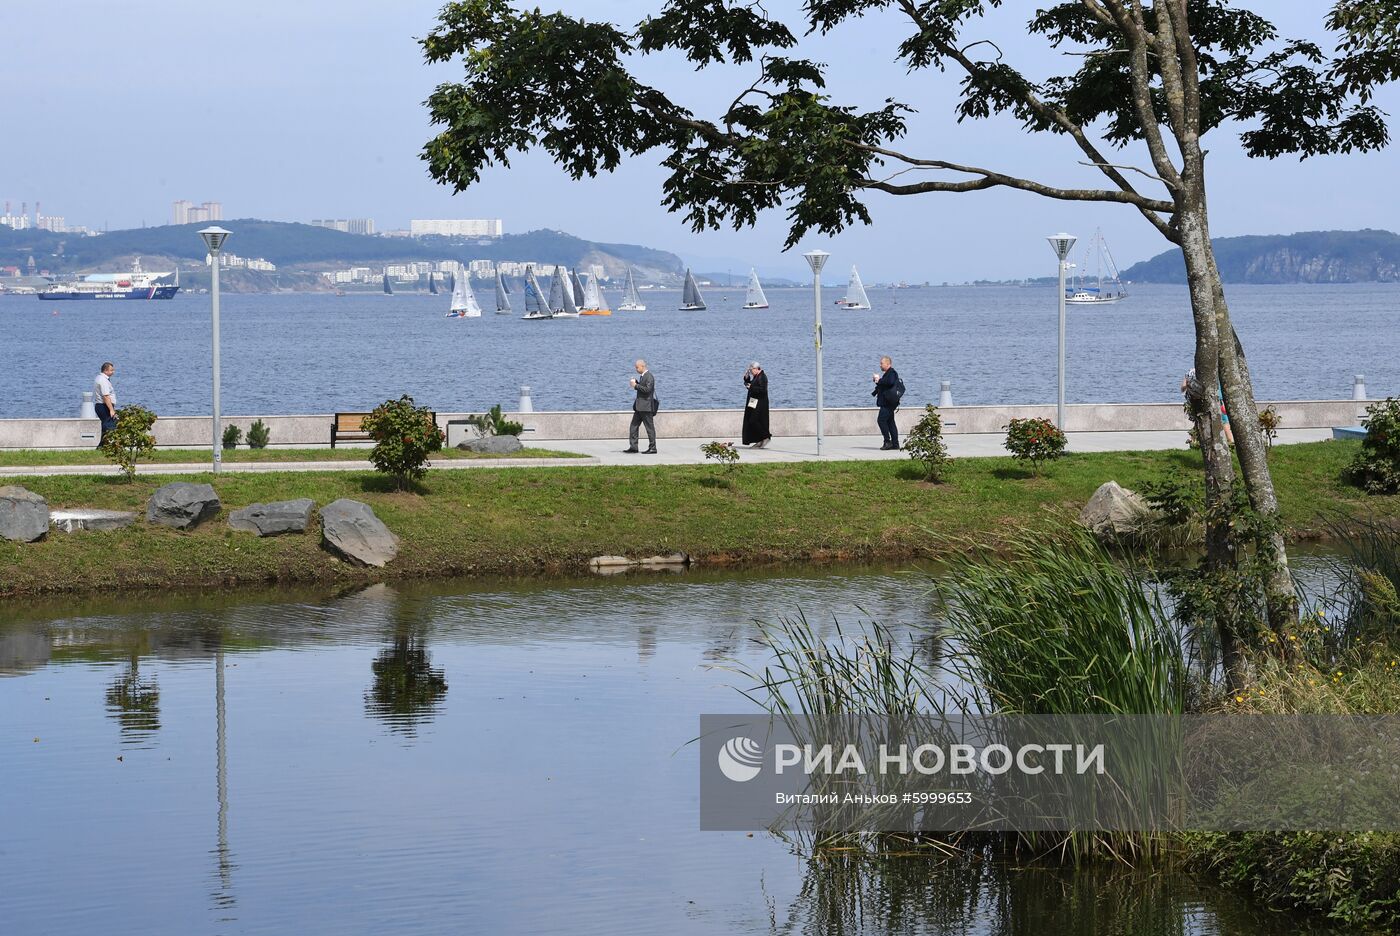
<point x="528" y="521"/>
<point x="46" y="457"/>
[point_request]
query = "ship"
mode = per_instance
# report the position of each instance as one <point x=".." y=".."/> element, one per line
<point x="138" y="284"/>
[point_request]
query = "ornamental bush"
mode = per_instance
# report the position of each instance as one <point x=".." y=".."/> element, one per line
<point x="258" y="434"/>
<point x="1376" y="468"/>
<point x="404" y="436"/>
<point x="926" y="446"/>
<point x="232" y="436"/>
<point x="1034" y="440"/>
<point x="723" y="452"/>
<point x="493" y="423"/>
<point x="131" y="440"/>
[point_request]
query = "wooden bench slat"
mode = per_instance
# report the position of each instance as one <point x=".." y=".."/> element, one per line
<point x="349" y="427"/>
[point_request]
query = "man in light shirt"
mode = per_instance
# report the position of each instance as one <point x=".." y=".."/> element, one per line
<point x="105" y="400"/>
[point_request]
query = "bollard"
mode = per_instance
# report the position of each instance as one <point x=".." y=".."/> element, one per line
<point x="88" y="410"/>
<point x="945" y="394"/>
<point x="526" y="406"/>
<point x="1358" y="387"/>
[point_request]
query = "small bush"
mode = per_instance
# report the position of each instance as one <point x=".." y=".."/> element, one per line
<point x="131" y="440"/>
<point x="404" y="436"/>
<point x="232" y="436"/>
<point x="258" y="435"/>
<point x="1376" y="468"/>
<point x="493" y="423"/>
<point x="723" y="452"/>
<point x="1269" y="421"/>
<point x="1034" y="440"/>
<point x="925" y="445"/>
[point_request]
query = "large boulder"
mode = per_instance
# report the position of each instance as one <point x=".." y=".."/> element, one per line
<point x="279" y="517"/>
<point x="71" y="521"/>
<point x="492" y="445"/>
<point x="1114" y="510"/>
<point x="350" y="529"/>
<point x="24" y="515"/>
<point x="182" y="505"/>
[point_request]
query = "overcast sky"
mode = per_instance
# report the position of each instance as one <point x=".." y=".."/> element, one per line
<point x="312" y="108"/>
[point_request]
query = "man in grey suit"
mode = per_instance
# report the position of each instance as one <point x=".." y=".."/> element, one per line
<point x="643" y="409"/>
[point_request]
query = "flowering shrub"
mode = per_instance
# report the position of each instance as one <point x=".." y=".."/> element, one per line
<point x="1034" y="440"/>
<point x="723" y="452"/>
<point x="925" y="445"/>
<point x="404" y="436"/>
<point x="1376" y="468"/>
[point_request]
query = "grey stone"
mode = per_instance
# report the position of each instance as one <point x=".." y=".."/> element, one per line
<point x="24" y="515"/>
<point x="182" y="505"/>
<point x="492" y="445"/>
<point x="351" y="529"/>
<point x="272" y="519"/>
<point x="670" y="559"/>
<point x="1114" y="510"/>
<point x="599" y="562"/>
<point x="71" y="521"/>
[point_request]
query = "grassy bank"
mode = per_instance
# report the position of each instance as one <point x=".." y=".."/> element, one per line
<point x="517" y="521"/>
<point x="25" y="458"/>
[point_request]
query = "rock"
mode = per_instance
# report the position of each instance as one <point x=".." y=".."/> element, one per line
<point x="24" y="515"/>
<point x="71" y="521"/>
<point x="351" y="529"/>
<point x="670" y="559"/>
<point x="607" y="562"/>
<point x="492" y="445"/>
<point x="182" y="505"/>
<point x="291" y="516"/>
<point x="1114" y="510"/>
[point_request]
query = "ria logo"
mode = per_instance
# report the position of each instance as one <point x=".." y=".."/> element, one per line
<point x="741" y="759"/>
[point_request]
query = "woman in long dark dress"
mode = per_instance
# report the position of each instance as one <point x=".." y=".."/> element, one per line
<point x="756" y="407"/>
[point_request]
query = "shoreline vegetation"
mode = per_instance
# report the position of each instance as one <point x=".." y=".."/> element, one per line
<point x="551" y="521"/>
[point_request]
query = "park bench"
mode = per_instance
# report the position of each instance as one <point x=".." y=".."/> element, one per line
<point x="349" y="427"/>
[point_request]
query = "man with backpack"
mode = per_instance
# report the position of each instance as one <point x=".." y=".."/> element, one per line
<point x="889" y="390"/>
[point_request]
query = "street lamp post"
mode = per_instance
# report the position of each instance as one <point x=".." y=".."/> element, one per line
<point x="214" y="238"/>
<point x="816" y="259"/>
<point x="1062" y="244"/>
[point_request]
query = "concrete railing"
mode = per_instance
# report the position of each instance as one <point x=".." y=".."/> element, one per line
<point x="315" y="430"/>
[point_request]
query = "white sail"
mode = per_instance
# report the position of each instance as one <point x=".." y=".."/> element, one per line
<point x="464" y="304"/>
<point x="535" y="305"/>
<point x="593" y="295"/>
<point x="580" y="297"/>
<point x="691" y="300"/>
<point x="631" y="301"/>
<point x="855" y="292"/>
<point x="568" y="307"/>
<point x="1098" y="289"/>
<point x="502" y="300"/>
<point x="754" y="298"/>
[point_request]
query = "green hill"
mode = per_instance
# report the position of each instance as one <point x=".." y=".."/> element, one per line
<point x="1309" y="257"/>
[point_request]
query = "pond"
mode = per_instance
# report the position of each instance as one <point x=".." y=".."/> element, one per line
<point x="488" y="757"/>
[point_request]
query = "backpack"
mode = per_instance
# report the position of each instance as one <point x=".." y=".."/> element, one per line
<point x="895" y="394"/>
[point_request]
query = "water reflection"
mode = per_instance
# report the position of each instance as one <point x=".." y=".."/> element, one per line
<point x="407" y="690"/>
<point x="134" y="701"/>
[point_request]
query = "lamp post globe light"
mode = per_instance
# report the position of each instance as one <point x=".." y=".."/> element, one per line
<point x="816" y="259"/>
<point x="1062" y="244"/>
<point x="214" y="238"/>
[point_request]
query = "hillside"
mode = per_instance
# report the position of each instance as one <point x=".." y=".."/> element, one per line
<point x="1309" y="257"/>
<point x="295" y="247"/>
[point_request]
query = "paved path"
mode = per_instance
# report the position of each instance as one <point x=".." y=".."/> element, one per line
<point x="687" y="452"/>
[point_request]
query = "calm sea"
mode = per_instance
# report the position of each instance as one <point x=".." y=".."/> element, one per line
<point x="316" y="353"/>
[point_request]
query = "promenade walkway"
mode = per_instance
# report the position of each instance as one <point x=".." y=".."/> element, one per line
<point x="687" y="452"/>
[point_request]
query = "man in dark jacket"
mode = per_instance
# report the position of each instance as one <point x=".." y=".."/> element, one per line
<point x="887" y="397"/>
<point x="643" y="410"/>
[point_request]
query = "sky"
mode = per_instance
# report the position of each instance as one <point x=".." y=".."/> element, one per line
<point x="313" y="108"/>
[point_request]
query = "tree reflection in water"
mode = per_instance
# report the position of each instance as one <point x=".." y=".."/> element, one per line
<point x="134" y="701"/>
<point x="407" y="690"/>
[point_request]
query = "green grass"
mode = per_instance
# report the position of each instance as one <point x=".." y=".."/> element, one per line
<point x="44" y="457"/>
<point x="549" y="520"/>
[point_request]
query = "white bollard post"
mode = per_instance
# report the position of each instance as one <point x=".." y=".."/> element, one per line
<point x="88" y="410"/>
<point x="1358" y="387"/>
<point x="526" y="405"/>
<point x="945" y="394"/>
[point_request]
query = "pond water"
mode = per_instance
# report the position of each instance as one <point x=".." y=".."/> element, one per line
<point x="484" y="757"/>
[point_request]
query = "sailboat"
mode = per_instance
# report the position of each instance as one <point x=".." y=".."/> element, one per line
<point x="388" y="290"/>
<point x="593" y="301"/>
<point x="631" y="301"/>
<point x="536" y="307"/>
<point x="855" y="293"/>
<point x="464" y="304"/>
<point x="754" y="298"/>
<point x="579" y="299"/>
<point x="691" y="300"/>
<point x="1104" y="290"/>
<point x="432" y="284"/>
<point x="561" y="291"/>
<point x="502" y="299"/>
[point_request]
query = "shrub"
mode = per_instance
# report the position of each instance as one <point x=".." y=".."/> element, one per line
<point x="131" y="440"/>
<point x="493" y="423"/>
<point x="232" y="436"/>
<point x="925" y="445"/>
<point x="1034" y="440"/>
<point x="404" y="436"/>
<point x="1269" y="421"/>
<point x="723" y="452"/>
<point x="258" y="434"/>
<point x="1376" y="468"/>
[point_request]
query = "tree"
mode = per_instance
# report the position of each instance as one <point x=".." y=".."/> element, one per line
<point x="404" y="436"/>
<point x="131" y="439"/>
<point x="1153" y="76"/>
